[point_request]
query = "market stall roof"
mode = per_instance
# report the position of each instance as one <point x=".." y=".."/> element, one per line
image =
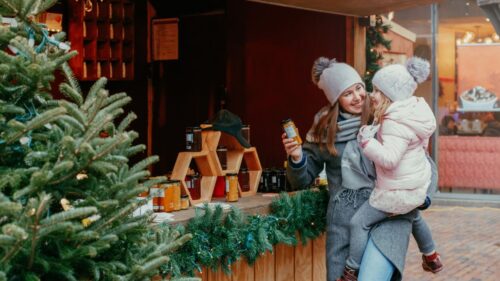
<point x="351" y="8"/>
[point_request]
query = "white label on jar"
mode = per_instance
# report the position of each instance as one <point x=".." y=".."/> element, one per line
<point x="188" y="184"/>
<point x="274" y="179"/>
<point x="227" y="185"/>
<point x="290" y="132"/>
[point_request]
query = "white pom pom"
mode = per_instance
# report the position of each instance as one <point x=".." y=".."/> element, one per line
<point x="418" y="68"/>
<point x="320" y="64"/>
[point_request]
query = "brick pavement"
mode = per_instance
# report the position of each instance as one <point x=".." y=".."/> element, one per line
<point x="469" y="242"/>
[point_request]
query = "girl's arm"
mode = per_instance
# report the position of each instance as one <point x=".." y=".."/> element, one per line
<point x="395" y="143"/>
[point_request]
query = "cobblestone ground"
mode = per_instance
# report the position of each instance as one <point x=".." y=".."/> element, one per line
<point x="468" y="240"/>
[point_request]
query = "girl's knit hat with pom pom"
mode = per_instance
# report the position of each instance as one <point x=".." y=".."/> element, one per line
<point x="334" y="77"/>
<point x="399" y="82"/>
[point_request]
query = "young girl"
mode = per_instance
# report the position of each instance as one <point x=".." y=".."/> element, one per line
<point x="404" y="124"/>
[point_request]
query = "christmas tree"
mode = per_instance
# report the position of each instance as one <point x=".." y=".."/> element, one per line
<point x="67" y="189"/>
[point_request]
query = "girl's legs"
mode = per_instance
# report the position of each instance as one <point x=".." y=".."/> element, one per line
<point x="360" y="226"/>
<point x="374" y="265"/>
<point x="431" y="260"/>
<point x="423" y="235"/>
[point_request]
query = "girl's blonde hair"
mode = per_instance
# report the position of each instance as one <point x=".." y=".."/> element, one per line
<point x="381" y="108"/>
<point x="328" y="123"/>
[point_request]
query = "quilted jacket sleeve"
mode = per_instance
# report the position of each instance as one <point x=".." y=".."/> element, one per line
<point x="395" y="140"/>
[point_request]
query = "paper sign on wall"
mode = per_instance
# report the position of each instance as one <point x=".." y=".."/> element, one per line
<point x="165" y="39"/>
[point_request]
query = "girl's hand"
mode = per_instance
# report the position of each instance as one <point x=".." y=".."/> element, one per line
<point x="292" y="148"/>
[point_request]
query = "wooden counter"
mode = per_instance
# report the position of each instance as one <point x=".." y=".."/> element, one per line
<point x="285" y="263"/>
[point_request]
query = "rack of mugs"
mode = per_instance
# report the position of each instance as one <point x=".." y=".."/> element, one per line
<point x="104" y="38"/>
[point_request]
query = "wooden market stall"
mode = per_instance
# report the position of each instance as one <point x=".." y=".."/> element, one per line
<point x="181" y="61"/>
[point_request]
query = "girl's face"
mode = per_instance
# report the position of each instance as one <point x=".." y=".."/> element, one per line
<point x="376" y="97"/>
<point x="352" y="99"/>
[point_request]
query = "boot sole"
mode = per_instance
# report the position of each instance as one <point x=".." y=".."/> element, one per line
<point x="428" y="269"/>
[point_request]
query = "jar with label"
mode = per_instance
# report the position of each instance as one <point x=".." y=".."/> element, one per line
<point x="222" y="155"/>
<point x="184" y="202"/>
<point x="245" y="132"/>
<point x="291" y="130"/>
<point x="155" y="192"/>
<point x="266" y="180"/>
<point x="168" y="202"/>
<point x="274" y="181"/>
<point x="193" y="138"/>
<point x="176" y="196"/>
<point x="244" y="179"/>
<point x="195" y="186"/>
<point x="232" y="187"/>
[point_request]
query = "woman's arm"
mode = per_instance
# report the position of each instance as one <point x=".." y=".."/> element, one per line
<point x="303" y="173"/>
<point x="374" y="265"/>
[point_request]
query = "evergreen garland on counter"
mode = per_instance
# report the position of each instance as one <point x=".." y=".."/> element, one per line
<point x="221" y="239"/>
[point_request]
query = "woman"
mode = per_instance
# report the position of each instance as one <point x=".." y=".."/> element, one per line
<point x="331" y="143"/>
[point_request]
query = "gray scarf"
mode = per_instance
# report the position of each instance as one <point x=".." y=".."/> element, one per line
<point x="348" y="128"/>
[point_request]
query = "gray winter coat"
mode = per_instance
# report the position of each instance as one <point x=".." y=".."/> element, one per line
<point x="350" y="181"/>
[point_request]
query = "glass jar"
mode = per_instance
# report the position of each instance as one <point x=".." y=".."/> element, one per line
<point x="245" y="132"/>
<point x="193" y="184"/>
<point x="291" y="130"/>
<point x="168" y="202"/>
<point x="232" y="187"/>
<point x="222" y="155"/>
<point x="184" y="202"/>
<point x="244" y="179"/>
<point x="193" y="139"/>
<point x="176" y="194"/>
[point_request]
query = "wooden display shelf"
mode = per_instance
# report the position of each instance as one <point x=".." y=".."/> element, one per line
<point x="207" y="171"/>
<point x="210" y="168"/>
<point x="252" y="161"/>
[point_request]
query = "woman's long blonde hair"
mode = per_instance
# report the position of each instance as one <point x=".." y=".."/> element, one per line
<point x="328" y="123"/>
<point x="380" y="110"/>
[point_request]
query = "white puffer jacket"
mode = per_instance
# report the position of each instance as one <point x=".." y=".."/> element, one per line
<point x="399" y="154"/>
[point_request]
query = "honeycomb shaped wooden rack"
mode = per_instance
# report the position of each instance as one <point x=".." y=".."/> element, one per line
<point x="210" y="167"/>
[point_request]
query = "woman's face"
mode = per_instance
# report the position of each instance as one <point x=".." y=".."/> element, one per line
<point x="376" y="97"/>
<point x="352" y="99"/>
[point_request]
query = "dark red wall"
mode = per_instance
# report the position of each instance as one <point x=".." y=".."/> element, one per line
<point x="262" y="54"/>
<point x="280" y="45"/>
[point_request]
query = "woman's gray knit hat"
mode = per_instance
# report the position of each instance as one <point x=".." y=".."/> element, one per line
<point x="334" y="77"/>
<point x="399" y="82"/>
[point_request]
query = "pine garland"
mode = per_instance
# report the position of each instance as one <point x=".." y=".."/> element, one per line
<point x="221" y="239"/>
<point x="375" y="38"/>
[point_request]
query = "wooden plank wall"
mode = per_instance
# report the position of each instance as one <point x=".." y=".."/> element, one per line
<point x="286" y="263"/>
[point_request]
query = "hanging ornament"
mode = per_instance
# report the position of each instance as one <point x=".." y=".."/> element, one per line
<point x="65" y="204"/>
<point x="81" y="176"/>
<point x="103" y="134"/>
<point x="88" y="6"/>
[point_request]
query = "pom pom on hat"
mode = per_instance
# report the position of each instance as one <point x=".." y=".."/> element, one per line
<point x="399" y="82"/>
<point x="418" y="68"/>
<point x="319" y="65"/>
<point x="334" y="77"/>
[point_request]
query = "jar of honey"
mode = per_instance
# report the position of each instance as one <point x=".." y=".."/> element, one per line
<point x="232" y="187"/>
<point x="291" y="130"/>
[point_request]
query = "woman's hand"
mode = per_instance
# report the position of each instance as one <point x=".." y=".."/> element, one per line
<point x="292" y="148"/>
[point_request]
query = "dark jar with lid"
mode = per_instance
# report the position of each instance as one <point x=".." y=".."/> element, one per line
<point x="195" y="189"/>
<point x="222" y="155"/>
<point x="193" y="139"/>
<point x="244" y="179"/>
<point x="245" y="132"/>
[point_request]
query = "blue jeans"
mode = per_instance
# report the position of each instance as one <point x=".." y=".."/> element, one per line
<point x="374" y="265"/>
